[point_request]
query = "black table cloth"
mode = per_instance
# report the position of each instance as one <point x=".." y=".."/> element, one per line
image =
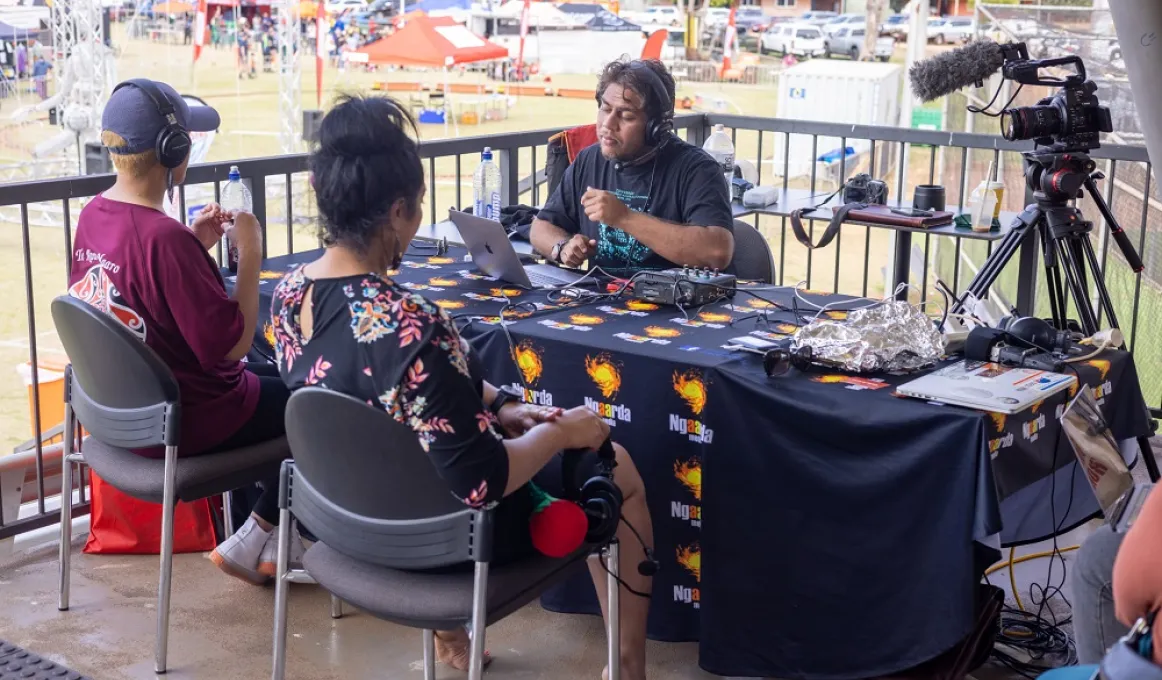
<point x="841" y="520"/>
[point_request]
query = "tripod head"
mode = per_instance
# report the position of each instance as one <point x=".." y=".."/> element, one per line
<point x="1056" y="178"/>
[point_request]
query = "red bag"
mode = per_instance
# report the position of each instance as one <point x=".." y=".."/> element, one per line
<point x="121" y="524"/>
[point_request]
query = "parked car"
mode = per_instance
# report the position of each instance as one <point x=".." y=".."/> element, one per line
<point x="953" y="30"/>
<point x="662" y="15"/>
<point x="715" y="17"/>
<point x="801" y="40"/>
<point x="895" y="26"/>
<point x="816" y="18"/>
<point x="379" y="12"/>
<point x="848" y="42"/>
<point x="842" y="20"/>
<point x="750" y="19"/>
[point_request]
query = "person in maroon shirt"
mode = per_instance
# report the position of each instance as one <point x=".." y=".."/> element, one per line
<point x="155" y="276"/>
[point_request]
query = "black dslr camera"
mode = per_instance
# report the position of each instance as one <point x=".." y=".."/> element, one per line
<point x="862" y="188"/>
<point x="1069" y="120"/>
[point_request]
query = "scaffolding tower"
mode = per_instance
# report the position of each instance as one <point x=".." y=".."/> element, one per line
<point x="290" y="74"/>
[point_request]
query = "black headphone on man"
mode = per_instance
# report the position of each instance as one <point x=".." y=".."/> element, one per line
<point x="173" y="141"/>
<point x="659" y="127"/>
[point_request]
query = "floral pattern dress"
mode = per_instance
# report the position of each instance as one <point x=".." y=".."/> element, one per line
<point x="377" y="341"/>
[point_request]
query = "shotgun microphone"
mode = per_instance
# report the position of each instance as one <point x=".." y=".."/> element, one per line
<point x="944" y="74"/>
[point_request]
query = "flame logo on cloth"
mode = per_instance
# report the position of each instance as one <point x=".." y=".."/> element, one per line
<point x="528" y="360"/>
<point x="639" y="306"/>
<point x="1036" y="406"/>
<point x="787" y="328"/>
<point x="690" y="474"/>
<point x="268" y="334"/>
<point x="759" y="304"/>
<point x="450" y="304"/>
<point x="440" y="260"/>
<point x="604" y="373"/>
<point x="692" y="389"/>
<point x="714" y="317"/>
<point x="1102" y="366"/>
<point x="442" y="283"/>
<point x="392" y="272"/>
<point x="661" y="332"/>
<point x="505" y="292"/>
<point x="837" y="316"/>
<point x="998" y="420"/>
<point x="1073" y="389"/>
<point x="691" y="559"/>
<point x="267" y="275"/>
<point x="586" y="319"/>
<point x="829" y="379"/>
<point x="517" y="314"/>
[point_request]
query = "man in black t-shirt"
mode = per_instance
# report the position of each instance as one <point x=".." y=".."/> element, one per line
<point x="641" y="198"/>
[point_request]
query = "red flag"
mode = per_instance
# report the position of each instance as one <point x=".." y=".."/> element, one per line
<point x="729" y="40"/>
<point x="320" y="54"/>
<point x="199" y="29"/>
<point x="524" y="31"/>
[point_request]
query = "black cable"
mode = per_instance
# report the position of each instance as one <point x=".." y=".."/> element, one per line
<point x="601" y="560"/>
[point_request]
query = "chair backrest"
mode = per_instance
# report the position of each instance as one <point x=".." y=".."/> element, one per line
<point x="119" y="389"/>
<point x="752" y="254"/>
<point x="363" y="485"/>
<point x="562" y="150"/>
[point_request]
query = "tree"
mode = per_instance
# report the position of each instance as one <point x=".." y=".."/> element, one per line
<point x="875" y="14"/>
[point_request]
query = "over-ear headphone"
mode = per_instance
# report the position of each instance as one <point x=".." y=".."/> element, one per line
<point x="601" y="500"/>
<point x="660" y="126"/>
<point x="173" y="142"/>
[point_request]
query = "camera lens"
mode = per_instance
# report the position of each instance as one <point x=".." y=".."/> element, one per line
<point x="1030" y="122"/>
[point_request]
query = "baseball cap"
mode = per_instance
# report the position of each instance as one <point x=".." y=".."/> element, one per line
<point x="133" y="116"/>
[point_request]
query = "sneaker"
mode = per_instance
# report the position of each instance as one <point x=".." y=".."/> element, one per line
<point x="268" y="562"/>
<point x="238" y="555"/>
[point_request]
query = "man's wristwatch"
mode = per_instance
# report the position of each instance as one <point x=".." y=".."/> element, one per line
<point x="504" y="395"/>
<point x="557" y="250"/>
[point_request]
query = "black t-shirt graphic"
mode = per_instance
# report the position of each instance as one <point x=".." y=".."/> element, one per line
<point x="683" y="185"/>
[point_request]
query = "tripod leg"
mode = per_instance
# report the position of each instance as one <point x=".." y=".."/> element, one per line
<point x="1058" y="303"/>
<point x="1103" y="293"/>
<point x="992" y="267"/>
<point x="1148" y="456"/>
<point x="1075" y="276"/>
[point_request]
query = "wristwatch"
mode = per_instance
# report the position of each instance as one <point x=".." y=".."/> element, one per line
<point x="557" y="249"/>
<point x="504" y="395"/>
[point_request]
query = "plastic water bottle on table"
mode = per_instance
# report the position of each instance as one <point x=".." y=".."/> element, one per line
<point x="486" y="188"/>
<point x="721" y="149"/>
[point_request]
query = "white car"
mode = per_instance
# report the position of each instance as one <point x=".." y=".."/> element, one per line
<point x="661" y="15"/>
<point x="801" y="40"/>
<point x="816" y="18"/>
<point x="842" y="21"/>
<point x="715" y="17"/>
<point x="954" y="30"/>
<point x="340" y="6"/>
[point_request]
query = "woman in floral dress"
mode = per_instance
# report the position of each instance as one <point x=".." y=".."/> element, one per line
<point x="342" y="323"/>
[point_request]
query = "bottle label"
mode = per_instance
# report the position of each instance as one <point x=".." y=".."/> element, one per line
<point x="490" y="209"/>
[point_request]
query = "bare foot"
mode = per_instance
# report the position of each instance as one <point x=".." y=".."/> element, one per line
<point x="453" y="648"/>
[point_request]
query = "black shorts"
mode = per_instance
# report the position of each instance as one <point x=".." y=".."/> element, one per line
<point x="561" y="477"/>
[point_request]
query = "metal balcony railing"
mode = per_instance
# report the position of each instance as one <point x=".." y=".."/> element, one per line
<point x="789" y="153"/>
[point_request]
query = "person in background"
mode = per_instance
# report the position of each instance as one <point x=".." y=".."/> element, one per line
<point x="21" y="60"/>
<point x="340" y="322"/>
<point x="155" y="275"/>
<point x="629" y="202"/>
<point x="40" y="69"/>
<point x="188" y="30"/>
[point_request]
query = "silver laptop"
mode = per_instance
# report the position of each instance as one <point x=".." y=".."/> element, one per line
<point x="987" y="386"/>
<point x="1101" y="460"/>
<point x="494" y="255"/>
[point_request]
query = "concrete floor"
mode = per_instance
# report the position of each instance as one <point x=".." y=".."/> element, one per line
<point x="221" y="628"/>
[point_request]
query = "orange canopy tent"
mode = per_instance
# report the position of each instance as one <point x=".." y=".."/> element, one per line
<point x="173" y="7"/>
<point x="308" y="9"/>
<point x="427" y="41"/>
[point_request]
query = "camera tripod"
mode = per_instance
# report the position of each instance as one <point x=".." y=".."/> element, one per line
<point x="1069" y="258"/>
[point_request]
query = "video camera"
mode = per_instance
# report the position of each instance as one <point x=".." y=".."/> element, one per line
<point x="1070" y="120"/>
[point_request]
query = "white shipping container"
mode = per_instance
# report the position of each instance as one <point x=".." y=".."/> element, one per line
<point x="834" y="91"/>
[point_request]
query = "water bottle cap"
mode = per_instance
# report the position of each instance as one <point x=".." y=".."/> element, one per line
<point x="718" y="127"/>
<point x="487" y="154"/>
<point x="234" y="173"/>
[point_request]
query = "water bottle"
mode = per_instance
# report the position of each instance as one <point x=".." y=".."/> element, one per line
<point x="235" y="198"/>
<point x="486" y="188"/>
<point x="721" y="149"/>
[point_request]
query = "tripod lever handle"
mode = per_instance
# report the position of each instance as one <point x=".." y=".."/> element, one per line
<point x="1127" y="248"/>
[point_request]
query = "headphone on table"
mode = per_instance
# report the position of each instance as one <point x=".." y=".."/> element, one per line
<point x="660" y="127"/>
<point x="173" y="142"/>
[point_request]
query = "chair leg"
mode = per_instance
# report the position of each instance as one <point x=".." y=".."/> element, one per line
<point x="169" y="502"/>
<point x="281" y="586"/>
<point x="429" y="655"/>
<point x="65" y="563"/>
<point x="227" y="515"/>
<point x="479" y="617"/>
<point x="336" y="607"/>
<point x="613" y="637"/>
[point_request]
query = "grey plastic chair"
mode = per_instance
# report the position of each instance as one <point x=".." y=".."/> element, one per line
<point x="125" y="398"/>
<point x="362" y="485"/>
<point x="752" y="259"/>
